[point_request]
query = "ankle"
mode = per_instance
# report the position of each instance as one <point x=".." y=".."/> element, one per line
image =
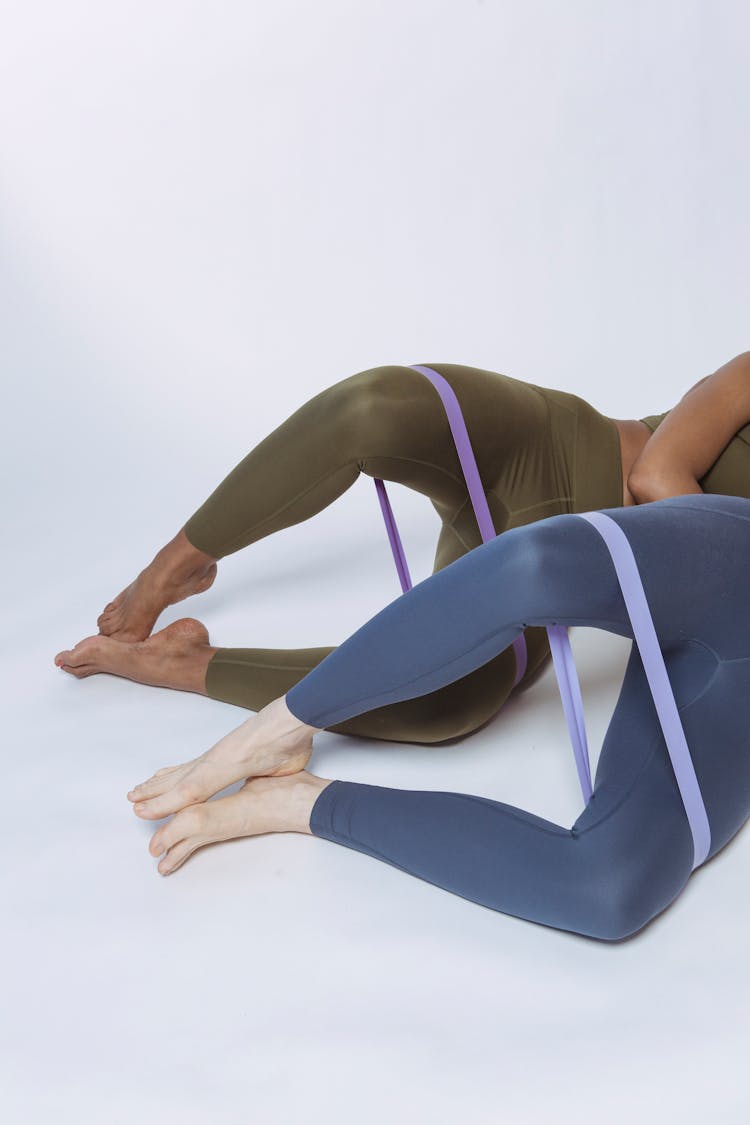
<point x="179" y="559"/>
<point x="199" y="671"/>
<point x="291" y="739"/>
<point x="294" y="797"/>
<point x="279" y="723"/>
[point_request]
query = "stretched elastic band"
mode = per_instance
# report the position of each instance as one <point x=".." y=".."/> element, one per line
<point x="570" y="693"/>
<point x="658" y="678"/>
<point x="397" y="546"/>
<point x="562" y="656"/>
<point x="464" y="450"/>
<point x="473" y="484"/>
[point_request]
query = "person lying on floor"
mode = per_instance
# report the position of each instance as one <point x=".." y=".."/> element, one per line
<point x="630" y="853"/>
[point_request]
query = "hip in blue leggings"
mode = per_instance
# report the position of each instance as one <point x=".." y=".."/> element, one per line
<point x="630" y="852"/>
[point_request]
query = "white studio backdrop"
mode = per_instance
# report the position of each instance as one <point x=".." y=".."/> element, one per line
<point x="208" y="213"/>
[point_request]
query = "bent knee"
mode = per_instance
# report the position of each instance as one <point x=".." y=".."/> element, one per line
<point x="357" y="403"/>
<point x="627" y="903"/>
<point x="368" y="388"/>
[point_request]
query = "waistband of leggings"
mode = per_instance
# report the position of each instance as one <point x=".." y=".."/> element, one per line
<point x="598" y="464"/>
<point x="595" y="467"/>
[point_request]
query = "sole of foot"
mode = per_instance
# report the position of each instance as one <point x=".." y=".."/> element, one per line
<point x="175" y="657"/>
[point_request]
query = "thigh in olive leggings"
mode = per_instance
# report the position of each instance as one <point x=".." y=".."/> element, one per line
<point x="630" y="852"/>
<point x="539" y="452"/>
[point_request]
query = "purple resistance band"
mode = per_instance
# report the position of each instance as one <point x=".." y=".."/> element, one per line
<point x="644" y="632"/>
<point x="473" y="483"/>
<point x="562" y="655"/>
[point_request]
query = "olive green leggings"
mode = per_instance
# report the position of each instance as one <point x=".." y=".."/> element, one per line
<point x="539" y="452"/>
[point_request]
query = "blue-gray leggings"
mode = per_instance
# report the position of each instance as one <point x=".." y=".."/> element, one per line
<point x="630" y="852"/>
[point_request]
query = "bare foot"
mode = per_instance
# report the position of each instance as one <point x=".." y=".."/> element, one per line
<point x="177" y="571"/>
<point x="264" y="804"/>
<point x="175" y="657"/>
<point x="272" y="743"/>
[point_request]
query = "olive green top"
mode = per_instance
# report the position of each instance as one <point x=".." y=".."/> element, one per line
<point x="730" y="473"/>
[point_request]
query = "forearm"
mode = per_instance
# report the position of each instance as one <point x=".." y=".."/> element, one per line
<point x="693" y="434"/>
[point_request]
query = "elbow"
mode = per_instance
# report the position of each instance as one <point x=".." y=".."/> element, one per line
<point x="644" y="487"/>
<point x="647" y="486"/>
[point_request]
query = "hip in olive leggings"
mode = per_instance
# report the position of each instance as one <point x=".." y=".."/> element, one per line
<point x="539" y="452"/>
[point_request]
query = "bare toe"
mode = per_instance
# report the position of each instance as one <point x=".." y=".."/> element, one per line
<point x="175" y="657"/>
<point x="177" y="855"/>
<point x="83" y="659"/>
<point x="187" y="822"/>
<point x="196" y="785"/>
<point x="161" y="782"/>
<point x="263" y="804"/>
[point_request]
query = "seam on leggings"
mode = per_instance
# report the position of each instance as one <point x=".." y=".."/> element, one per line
<point x="372" y="700"/>
<point x="561" y="496"/>
<point x="277" y="511"/>
<point x="532" y="507"/>
<point x="545" y="393"/>
<point x="712" y="511"/>
<point x="624" y="796"/>
<point x="283" y="508"/>
<point x="658" y="736"/>
<point x="409" y="461"/>
<point x="261" y="663"/>
<point x="508" y="810"/>
<point x="298" y="496"/>
<point x="571" y="461"/>
<point x="711" y="678"/>
<point x="512" y="512"/>
<point x="556" y="830"/>
<point x="450" y="526"/>
<point x="548" y="436"/>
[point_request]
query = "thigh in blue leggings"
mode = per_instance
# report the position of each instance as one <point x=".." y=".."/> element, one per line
<point x="630" y="852"/>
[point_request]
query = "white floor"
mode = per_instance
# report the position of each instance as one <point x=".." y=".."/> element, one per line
<point x="209" y="213"/>
<point x="285" y="978"/>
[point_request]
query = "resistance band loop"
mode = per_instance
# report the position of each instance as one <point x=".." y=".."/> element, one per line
<point x="562" y="655"/>
<point x="476" y="493"/>
<point x="658" y="679"/>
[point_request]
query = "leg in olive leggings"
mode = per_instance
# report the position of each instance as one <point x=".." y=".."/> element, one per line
<point x="539" y="452"/>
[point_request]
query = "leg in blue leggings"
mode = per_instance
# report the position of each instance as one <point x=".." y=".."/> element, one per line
<point x="629" y="854"/>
